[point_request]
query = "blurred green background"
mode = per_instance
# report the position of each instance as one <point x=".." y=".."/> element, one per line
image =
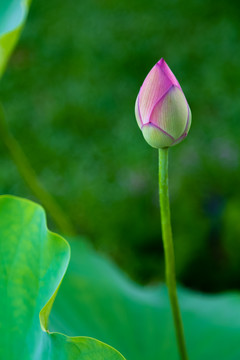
<point x="69" y="94"/>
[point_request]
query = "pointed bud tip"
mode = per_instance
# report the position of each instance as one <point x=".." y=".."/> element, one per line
<point x="161" y="61"/>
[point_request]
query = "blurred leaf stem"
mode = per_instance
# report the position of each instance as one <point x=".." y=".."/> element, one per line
<point x="169" y="251"/>
<point x="28" y="174"/>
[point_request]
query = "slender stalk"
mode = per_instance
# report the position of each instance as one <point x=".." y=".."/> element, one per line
<point x="22" y="163"/>
<point x="169" y="251"/>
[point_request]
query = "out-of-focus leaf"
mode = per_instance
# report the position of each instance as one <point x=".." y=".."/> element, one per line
<point x="33" y="262"/>
<point x="98" y="300"/>
<point x="12" y="17"/>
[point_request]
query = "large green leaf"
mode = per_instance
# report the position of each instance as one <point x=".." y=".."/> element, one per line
<point x="12" y="16"/>
<point x="97" y="299"/>
<point x="33" y="262"/>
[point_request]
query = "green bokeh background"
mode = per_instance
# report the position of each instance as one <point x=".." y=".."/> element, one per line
<point x="69" y="95"/>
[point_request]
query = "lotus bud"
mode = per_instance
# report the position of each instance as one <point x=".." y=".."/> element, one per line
<point x="161" y="109"/>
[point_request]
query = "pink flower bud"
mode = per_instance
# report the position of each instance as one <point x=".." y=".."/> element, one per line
<point x="161" y="109"/>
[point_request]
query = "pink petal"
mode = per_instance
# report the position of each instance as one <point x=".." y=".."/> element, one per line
<point x="168" y="72"/>
<point x="137" y="113"/>
<point x="171" y="113"/>
<point x="154" y="87"/>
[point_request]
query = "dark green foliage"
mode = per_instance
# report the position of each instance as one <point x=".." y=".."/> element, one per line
<point x="69" y="96"/>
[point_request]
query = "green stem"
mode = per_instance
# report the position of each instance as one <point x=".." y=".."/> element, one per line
<point x="30" y="177"/>
<point x="169" y="251"/>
